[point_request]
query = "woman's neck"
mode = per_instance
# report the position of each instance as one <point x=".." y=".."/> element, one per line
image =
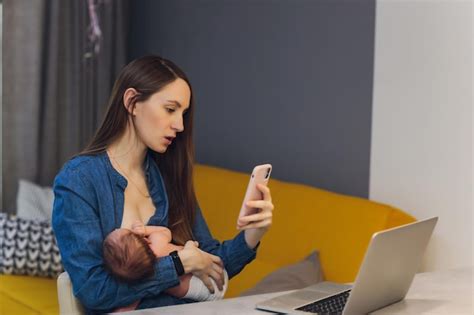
<point x="128" y="151"/>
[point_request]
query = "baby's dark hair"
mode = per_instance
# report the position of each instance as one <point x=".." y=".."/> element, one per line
<point x="128" y="256"/>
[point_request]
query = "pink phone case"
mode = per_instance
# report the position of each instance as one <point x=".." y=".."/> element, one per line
<point x="260" y="175"/>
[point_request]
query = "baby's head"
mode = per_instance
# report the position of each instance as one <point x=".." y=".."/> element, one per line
<point x="128" y="256"/>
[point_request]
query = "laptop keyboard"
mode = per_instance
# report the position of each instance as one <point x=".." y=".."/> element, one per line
<point x="331" y="305"/>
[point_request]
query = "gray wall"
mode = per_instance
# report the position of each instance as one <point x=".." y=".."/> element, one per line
<point x="283" y="82"/>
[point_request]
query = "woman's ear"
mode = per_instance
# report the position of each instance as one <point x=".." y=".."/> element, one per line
<point x="128" y="97"/>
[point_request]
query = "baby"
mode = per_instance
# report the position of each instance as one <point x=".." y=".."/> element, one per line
<point x="130" y="256"/>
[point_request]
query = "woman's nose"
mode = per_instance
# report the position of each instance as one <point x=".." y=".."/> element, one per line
<point x="178" y="124"/>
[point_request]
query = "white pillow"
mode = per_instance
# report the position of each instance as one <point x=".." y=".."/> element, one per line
<point x="34" y="201"/>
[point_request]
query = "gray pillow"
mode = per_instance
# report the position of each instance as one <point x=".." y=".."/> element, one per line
<point x="34" y="202"/>
<point x="295" y="276"/>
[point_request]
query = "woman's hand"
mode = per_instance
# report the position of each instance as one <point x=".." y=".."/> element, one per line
<point x="203" y="265"/>
<point x="255" y="225"/>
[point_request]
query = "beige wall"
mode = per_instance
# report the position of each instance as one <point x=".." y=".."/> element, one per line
<point x="421" y="158"/>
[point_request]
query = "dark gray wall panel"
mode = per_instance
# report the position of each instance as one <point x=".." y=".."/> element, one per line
<point x="284" y="82"/>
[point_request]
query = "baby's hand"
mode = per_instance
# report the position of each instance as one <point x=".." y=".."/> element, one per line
<point x="138" y="228"/>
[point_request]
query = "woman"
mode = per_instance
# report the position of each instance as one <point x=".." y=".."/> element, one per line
<point x="138" y="166"/>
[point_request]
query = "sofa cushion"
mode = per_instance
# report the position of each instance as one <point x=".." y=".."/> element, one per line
<point x="28" y="247"/>
<point x="291" y="277"/>
<point x="28" y="295"/>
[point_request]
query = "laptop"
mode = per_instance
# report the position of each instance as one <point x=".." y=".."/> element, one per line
<point x="387" y="271"/>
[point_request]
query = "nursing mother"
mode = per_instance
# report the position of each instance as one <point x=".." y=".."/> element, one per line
<point x="139" y="166"/>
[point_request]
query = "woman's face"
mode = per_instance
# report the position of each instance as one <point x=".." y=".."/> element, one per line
<point x="159" y="119"/>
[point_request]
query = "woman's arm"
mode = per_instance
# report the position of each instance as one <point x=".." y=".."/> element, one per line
<point x="79" y="236"/>
<point x="240" y="251"/>
<point x="234" y="253"/>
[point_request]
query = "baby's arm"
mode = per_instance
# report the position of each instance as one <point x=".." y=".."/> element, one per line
<point x="160" y="242"/>
<point x="139" y="228"/>
<point x="159" y="238"/>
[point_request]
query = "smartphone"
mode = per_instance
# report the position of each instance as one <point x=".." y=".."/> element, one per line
<point x="260" y="175"/>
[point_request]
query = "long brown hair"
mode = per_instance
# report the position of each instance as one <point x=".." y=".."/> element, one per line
<point x="148" y="75"/>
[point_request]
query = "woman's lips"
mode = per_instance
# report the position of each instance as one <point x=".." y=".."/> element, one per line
<point x="168" y="140"/>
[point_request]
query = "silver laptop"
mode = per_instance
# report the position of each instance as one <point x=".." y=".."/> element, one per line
<point x="390" y="263"/>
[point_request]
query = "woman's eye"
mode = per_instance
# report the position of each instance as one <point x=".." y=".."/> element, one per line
<point x="170" y="110"/>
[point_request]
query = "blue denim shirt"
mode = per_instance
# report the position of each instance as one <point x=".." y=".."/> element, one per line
<point x="88" y="205"/>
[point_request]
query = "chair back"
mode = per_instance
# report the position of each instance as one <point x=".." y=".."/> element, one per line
<point x="68" y="304"/>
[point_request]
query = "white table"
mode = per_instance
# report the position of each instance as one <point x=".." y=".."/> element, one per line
<point x="447" y="292"/>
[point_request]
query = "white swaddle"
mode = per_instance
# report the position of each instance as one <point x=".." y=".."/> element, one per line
<point x="199" y="292"/>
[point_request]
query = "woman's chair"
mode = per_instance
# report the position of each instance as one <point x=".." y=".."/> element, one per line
<point x="68" y="304"/>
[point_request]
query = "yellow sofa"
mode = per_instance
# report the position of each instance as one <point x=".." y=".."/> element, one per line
<point x="304" y="219"/>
